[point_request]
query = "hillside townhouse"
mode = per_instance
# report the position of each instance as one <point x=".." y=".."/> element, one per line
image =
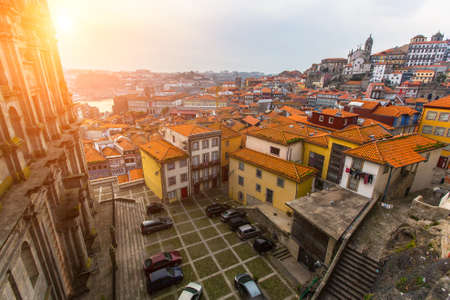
<point x="132" y="102"/>
<point x="333" y="118"/>
<point x="391" y="168"/>
<point x="424" y="76"/>
<point x="202" y="146"/>
<point x="166" y="170"/>
<point x="394" y="57"/>
<point x="409" y="89"/>
<point x="202" y="102"/>
<point x="158" y="103"/>
<point x="97" y="164"/>
<point x="427" y="52"/>
<point x="435" y="123"/>
<point x="257" y="178"/>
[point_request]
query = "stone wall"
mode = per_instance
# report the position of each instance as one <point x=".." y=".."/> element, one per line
<point x="426" y="211"/>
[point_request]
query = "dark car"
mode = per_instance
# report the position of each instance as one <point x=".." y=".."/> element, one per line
<point x="162" y="260"/>
<point x="263" y="244"/>
<point x="216" y="209"/>
<point x="247" y="287"/>
<point x="237" y="222"/>
<point x="248" y="231"/>
<point x="231" y="213"/>
<point x="155" y="225"/>
<point x="154" y="207"/>
<point x="163" y="278"/>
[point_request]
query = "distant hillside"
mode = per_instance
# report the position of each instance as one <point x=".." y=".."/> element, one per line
<point x="291" y="74"/>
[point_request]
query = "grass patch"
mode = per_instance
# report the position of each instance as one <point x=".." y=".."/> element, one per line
<point x="188" y="275"/>
<point x="275" y="288"/>
<point x="259" y="268"/>
<point x="197" y="251"/>
<point x="226" y="259"/>
<point x="216" y="287"/>
<point x="232" y="238"/>
<point x="209" y="232"/>
<point x="232" y="298"/>
<point x="171" y="244"/>
<point x="216" y="244"/>
<point x="409" y="245"/>
<point x="191" y="238"/>
<point x="234" y="271"/>
<point x="168" y="297"/>
<point x="203" y="222"/>
<point x="245" y="251"/>
<point x="205" y="267"/>
<point x="180" y="218"/>
<point x="168" y="233"/>
<point x="153" y="249"/>
<point x="224" y="228"/>
<point x="185" y="227"/>
<point x="196" y="213"/>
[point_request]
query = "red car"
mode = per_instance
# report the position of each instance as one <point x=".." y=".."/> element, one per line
<point x="162" y="260"/>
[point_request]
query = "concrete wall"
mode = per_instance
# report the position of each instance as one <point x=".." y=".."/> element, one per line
<point x="424" y="174"/>
<point x="363" y="189"/>
<point x="426" y="211"/>
<point x="263" y="146"/>
<point x="177" y="174"/>
<point x="152" y="174"/>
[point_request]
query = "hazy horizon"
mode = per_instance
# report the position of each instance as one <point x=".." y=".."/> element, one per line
<point x="252" y="36"/>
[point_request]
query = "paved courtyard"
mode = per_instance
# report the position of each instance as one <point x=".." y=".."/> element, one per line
<point x="212" y="254"/>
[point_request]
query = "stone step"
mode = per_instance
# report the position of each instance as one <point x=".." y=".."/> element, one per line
<point x="344" y="290"/>
<point x="347" y="272"/>
<point x="367" y="260"/>
<point x="361" y="268"/>
<point x="335" y="292"/>
<point x="352" y="282"/>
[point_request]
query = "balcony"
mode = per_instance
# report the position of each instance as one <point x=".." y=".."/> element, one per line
<point x="204" y="178"/>
<point x="205" y="164"/>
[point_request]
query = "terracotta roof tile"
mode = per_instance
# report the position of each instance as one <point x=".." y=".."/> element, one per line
<point x="250" y="120"/>
<point x="394" y="111"/>
<point x="163" y="151"/>
<point x="227" y="133"/>
<point x="398" y="152"/>
<point x="92" y="155"/>
<point x="319" y="140"/>
<point x="189" y="129"/>
<point x="285" y="134"/>
<point x="136" y="174"/>
<point x="108" y="151"/>
<point x="361" y="135"/>
<point x="281" y="167"/>
<point x="444" y="102"/>
<point x="333" y="112"/>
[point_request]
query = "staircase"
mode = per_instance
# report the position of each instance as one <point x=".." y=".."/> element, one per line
<point x="281" y="252"/>
<point x="353" y="276"/>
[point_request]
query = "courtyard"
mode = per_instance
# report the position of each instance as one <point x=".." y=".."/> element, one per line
<point x="212" y="254"/>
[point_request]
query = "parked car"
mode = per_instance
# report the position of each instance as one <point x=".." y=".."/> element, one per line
<point x="163" y="278"/>
<point x="247" y="287"/>
<point x="216" y="209"/>
<point x="162" y="260"/>
<point x="247" y="231"/>
<point x="154" y="207"/>
<point x="193" y="291"/>
<point x="263" y="244"/>
<point x="231" y="213"/>
<point x="237" y="222"/>
<point x="155" y="225"/>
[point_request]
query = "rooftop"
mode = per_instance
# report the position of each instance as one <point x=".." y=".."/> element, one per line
<point x="361" y="135"/>
<point x="337" y="113"/>
<point x="92" y="155"/>
<point x="163" y="151"/>
<point x="332" y="211"/>
<point x="189" y="129"/>
<point x="395" y="111"/>
<point x="398" y="152"/>
<point x="444" y="102"/>
<point x="281" y="167"/>
<point x="285" y="134"/>
<point x="250" y="120"/>
<point x="108" y="151"/>
<point x="227" y="133"/>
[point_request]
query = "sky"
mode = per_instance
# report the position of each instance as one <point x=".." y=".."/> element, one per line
<point x="244" y="35"/>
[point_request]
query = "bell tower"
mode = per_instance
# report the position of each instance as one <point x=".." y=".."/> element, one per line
<point x="368" y="45"/>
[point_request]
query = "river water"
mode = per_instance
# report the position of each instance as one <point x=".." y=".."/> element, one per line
<point x="102" y="104"/>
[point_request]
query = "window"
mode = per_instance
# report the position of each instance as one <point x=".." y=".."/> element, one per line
<point x="427" y="156"/>
<point x="320" y="118"/>
<point x="205" y="144"/>
<point x="170" y="166"/>
<point x="172" y="195"/>
<point x="195" y="146"/>
<point x="241" y="166"/>
<point x="241" y="196"/>
<point x="183" y="163"/>
<point x="215" y="142"/>
<point x="241" y="180"/>
<point x="183" y="177"/>
<point x="385" y="169"/>
<point x="258" y="173"/>
<point x="227" y="143"/>
<point x="215" y="156"/>
<point x="439" y="131"/>
<point x="195" y="160"/>
<point x="227" y="155"/>
<point x="172" y="180"/>
<point x="280" y="182"/>
<point x="427" y="129"/>
<point x="275" y="151"/>
<point x="173" y="139"/>
<point x="258" y="188"/>
<point x="29" y="263"/>
<point x="330" y="120"/>
<point x="431" y="115"/>
<point x="443" y="117"/>
<point x="205" y="157"/>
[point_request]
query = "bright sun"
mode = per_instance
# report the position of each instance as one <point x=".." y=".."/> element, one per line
<point x="64" y="25"/>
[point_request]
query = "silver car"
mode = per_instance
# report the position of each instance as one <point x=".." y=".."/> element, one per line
<point x="193" y="291"/>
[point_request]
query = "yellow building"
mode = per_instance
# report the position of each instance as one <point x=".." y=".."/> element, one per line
<point x="231" y="141"/>
<point x="425" y="76"/>
<point x="435" y="124"/>
<point x="326" y="152"/>
<point x="256" y="177"/>
<point x="165" y="170"/>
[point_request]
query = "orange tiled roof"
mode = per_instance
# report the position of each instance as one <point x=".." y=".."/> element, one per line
<point x="281" y="167"/>
<point x="398" y="152"/>
<point x="92" y="155"/>
<point x="238" y="126"/>
<point x="285" y="134"/>
<point x="163" y="151"/>
<point x="362" y="135"/>
<point x="319" y="140"/>
<point x="444" y="102"/>
<point x="136" y="174"/>
<point x="122" y="178"/>
<point x="416" y="100"/>
<point x="108" y="151"/>
<point x="189" y="129"/>
<point x="368" y="122"/>
<point x="227" y="133"/>
<point x="250" y="120"/>
<point x="126" y="144"/>
<point x="333" y="112"/>
<point x="293" y="111"/>
<point x="394" y="111"/>
<point x="367" y="104"/>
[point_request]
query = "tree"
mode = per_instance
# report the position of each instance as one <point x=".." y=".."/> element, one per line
<point x="440" y="77"/>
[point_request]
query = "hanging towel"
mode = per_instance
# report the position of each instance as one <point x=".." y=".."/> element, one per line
<point x="366" y="178"/>
<point x="347" y="170"/>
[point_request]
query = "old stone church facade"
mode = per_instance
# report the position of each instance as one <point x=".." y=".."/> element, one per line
<point x="46" y="212"/>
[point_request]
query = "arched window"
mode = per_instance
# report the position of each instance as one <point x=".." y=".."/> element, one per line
<point x="29" y="263"/>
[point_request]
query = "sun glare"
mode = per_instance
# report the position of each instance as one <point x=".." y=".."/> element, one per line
<point x="64" y="25"/>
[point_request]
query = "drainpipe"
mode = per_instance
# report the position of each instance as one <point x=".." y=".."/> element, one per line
<point x="387" y="184"/>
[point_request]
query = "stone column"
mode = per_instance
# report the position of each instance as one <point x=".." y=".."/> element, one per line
<point x="330" y="250"/>
<point x="87" y="216"/>
<point x="80" y="247"/>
